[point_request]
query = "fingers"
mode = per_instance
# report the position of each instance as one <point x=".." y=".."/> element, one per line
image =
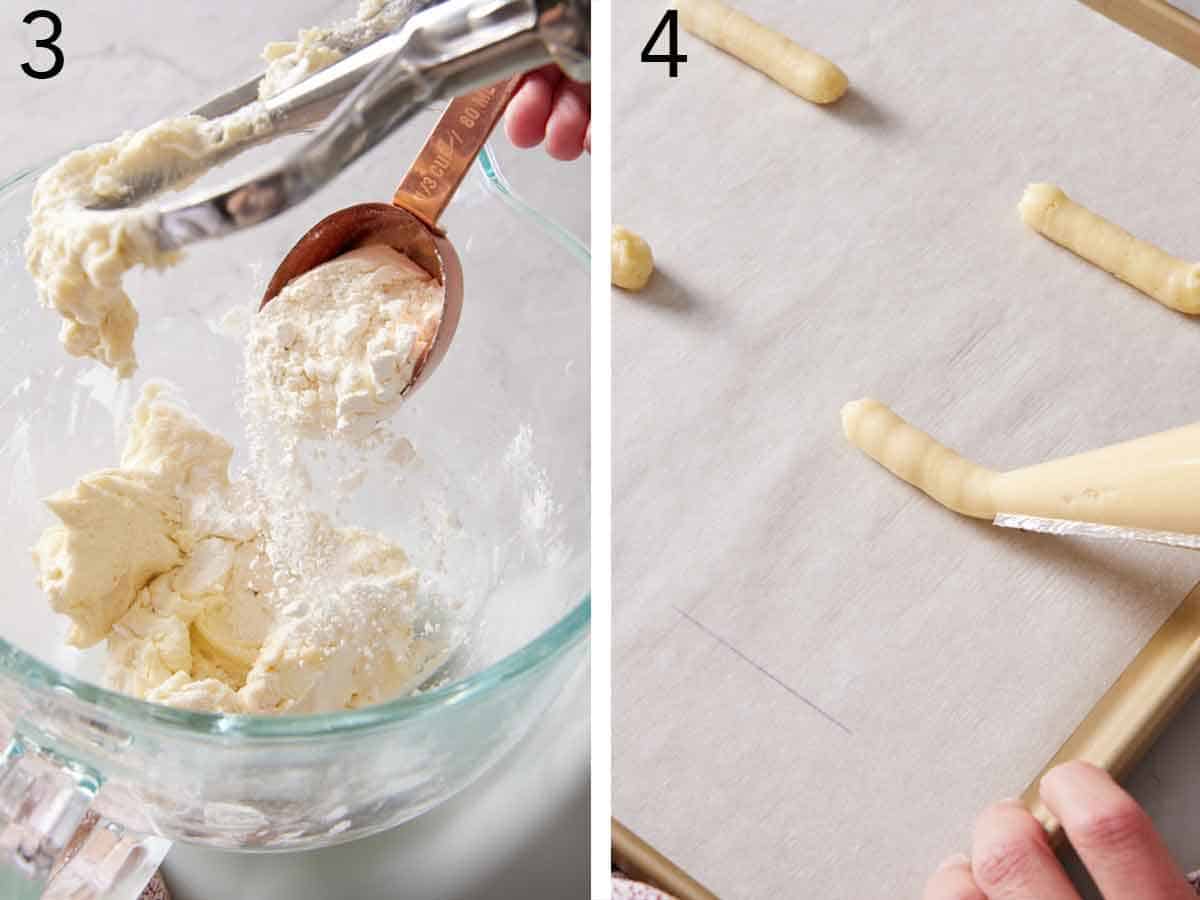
<point x="551" y="107"/>
<point x="530" y="108"/>
<point x="953" y="881"/>
<point x="569" y="119"/>
<point x="1113" y="835"/>
<point x="1011" y="859"/>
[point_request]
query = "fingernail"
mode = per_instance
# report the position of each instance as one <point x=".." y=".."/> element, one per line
<point x="958" y="860"/>
<point x="1010" y="801"/>
<point x="1067" y="778"/>
<point x="1074" y="765"/>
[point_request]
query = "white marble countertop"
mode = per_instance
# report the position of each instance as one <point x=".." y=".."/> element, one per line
<point x="523" y="829"/>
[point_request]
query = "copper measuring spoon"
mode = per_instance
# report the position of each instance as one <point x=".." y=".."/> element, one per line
<point x="409" y="223"/>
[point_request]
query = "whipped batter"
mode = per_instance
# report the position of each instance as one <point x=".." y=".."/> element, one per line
<point x="335" y="350"/>
<point x="212" y="598"/>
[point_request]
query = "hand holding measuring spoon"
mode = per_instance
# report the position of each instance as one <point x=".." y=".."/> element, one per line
<point x="549" y="106"/>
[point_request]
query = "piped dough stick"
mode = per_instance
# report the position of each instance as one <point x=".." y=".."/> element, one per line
<point x="1152" y="482"/>
<point x="914" y="456"/>
<point x="1170" y="281"/>
<point x="804" y="73"/>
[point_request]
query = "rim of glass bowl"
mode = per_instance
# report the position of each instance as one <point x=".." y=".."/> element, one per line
<point x="543" y="649"/>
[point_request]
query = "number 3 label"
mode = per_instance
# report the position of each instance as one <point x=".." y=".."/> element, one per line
<point x="46" y="43"/>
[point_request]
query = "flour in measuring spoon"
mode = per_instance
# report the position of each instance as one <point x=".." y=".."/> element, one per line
<point x="333" y="353"/>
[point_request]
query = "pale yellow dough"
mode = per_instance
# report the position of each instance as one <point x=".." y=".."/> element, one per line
<point x="78" y="257"/>
<point x="208" y="600"/>
<point x="290" y="62"/>
<point x="804" y="73"/>
<point x="632" y="260"/>
<point x="1171" y="281"/>
<point x="1149" y="483"/>
<point x="122" y="527"/>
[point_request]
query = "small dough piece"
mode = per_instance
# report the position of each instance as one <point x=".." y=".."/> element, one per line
<point x="804" y="73"/>
<point x="632" y="260"/>
<point x="1170" y="281"/>
<point x="1148" y="483"/>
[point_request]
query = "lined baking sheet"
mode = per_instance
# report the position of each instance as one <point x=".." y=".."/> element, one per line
<point x="1172" y="26"/>
<point x="638" y="860"/>
<point x="819" y="675"/>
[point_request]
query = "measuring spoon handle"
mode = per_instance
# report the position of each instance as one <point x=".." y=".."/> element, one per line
<point x="450" y="149"/>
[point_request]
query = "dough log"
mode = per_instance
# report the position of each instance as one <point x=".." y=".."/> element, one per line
<point x="1172" y="282"/>
<point x="804" y="73"/>
<point x="1151" y="482"/>
<point x="911" y="454"/>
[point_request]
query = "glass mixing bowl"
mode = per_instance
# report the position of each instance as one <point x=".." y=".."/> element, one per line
<point x="494" y="501"/>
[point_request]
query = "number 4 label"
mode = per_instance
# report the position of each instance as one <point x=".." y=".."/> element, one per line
<point x="669" y="22"/>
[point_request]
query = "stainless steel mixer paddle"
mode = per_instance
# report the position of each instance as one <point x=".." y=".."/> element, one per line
<point x="446" y="50"/>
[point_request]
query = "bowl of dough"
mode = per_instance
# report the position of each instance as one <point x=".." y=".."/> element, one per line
<point x="222" y="633"/>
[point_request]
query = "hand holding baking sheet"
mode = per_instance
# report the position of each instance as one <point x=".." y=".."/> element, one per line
<point x="1011" y="856"/>
<point x="1150" y="483"/>
<point x="804" y="73"/>
<point x="1170" y="281"/>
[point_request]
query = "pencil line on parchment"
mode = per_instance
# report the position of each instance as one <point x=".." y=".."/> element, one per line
<point x="783" y="684"/>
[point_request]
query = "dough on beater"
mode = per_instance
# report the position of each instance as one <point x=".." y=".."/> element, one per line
<point x="290" y="62"/>
<point x="632" y="260"/>
<point x="804" y="73"/>
<point x="1171" y="281"/>
<point x="78" y="257"/>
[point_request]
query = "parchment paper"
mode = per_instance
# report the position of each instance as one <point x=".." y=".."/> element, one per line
<point x="820" y="676"/>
